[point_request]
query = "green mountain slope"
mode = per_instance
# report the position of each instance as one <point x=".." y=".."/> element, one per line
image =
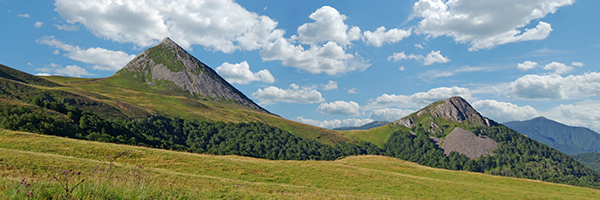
<point x="16" y="75"/>
<point x="30" y="161"/>
<point x="568" y="139"/>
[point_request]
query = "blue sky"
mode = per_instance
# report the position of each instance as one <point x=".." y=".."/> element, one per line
<point x="338" y="63"/>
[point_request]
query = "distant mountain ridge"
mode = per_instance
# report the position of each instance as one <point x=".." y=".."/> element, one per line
<point x="168" y="65"/>
<point x="371" y="125"/>
<point x="568" y="139"/>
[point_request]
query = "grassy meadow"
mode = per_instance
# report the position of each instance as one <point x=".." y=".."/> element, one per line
<point x="29" y="162"/>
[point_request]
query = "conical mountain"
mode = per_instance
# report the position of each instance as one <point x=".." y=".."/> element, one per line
<point x="169" y="67"/>
<point x="436" y="117"/>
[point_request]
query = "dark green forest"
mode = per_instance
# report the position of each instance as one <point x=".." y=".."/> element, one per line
<point x="246" y="139"/>
<point x="591" y="160"/>
<point x="516" y="156"/>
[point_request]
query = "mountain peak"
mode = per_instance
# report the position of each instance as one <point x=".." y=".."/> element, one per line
<point x="167" y="42"/>
<point x="169" y="67"/>
<point x="453" y="109"/>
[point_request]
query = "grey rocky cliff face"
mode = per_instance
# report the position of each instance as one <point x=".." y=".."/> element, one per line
<point x="196" y="78"/>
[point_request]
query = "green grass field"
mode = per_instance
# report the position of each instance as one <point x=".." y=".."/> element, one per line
<point x="145" y="173"/>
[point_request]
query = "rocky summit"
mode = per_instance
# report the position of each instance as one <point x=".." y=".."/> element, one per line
<point x="168" y="63"/>
<point x="454" y="109"/>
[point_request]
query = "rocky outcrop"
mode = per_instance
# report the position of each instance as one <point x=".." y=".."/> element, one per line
<point x="168" y="62"/>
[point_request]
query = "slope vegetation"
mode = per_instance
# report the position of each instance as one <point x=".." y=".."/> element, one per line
<point x="29" y="162"/>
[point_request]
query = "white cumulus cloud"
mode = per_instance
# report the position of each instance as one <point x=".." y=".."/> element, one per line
<point x="221" y="25"/>
<point x="504" y="111"/>
<point x="381" y="36"/>
<point x="435" y="57"/>
<point x="330" y="58"/>
<point x="240" y="73"/>
<point x="485" y="24"/>
<point x="389" y="114"/>
<point x="69" y="70"/>
<point x="558" y="68"/>
<point x="339" y="108"/>
<point x="335" y="123"/>
<point x="418" y="99"/>
<point x="431" y="58"/>
<point x="25" y="15"/>
<point x="294" y="94"/>
<point x="577" y="64"/>
<point x="101" y="58"/>
<point x="38" y="24"/>
<point x="328" y="26"/>
<point x="331" y="85"/>
<point x="527" y="65"/>
<point x="554" y="86"/>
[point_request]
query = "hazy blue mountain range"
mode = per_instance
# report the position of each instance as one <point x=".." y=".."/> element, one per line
<point x="567" y="139"/>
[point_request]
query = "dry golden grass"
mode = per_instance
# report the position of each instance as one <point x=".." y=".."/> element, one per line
<point x="180" y="175"/>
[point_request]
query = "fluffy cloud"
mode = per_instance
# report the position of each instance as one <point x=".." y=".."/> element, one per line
<point x="389" y="114"/>
<point x="38" y="24"/>
<point x="527" y="65"/>
<point x="418" y="99"/>
<point x="329" y="58"/>
<point x="432" y="57"/>
<point x="220" y="25"/>
<point x="331" y="85"/>
<point x="328" y="26"/>
<point x="339" y="108"/>
<point x="504" y="111"/>
<point x="240" y="73"/>
<point x="102" y="59"/>
<point x="585" y="113"/>
<point x="69" y="70"/>
<point x="577" y="64"/>
<point x="24" y="15"/>
<point x="485" y="24"/>
<point x="559" y="68"/>
<point x="435" y="57"/>
<point x="294" y="94"/>
<point x="554" y="86"/>
<point x="352" y="91"/>
<point x="381" y="36"/>
<point x="335" y="123"/>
